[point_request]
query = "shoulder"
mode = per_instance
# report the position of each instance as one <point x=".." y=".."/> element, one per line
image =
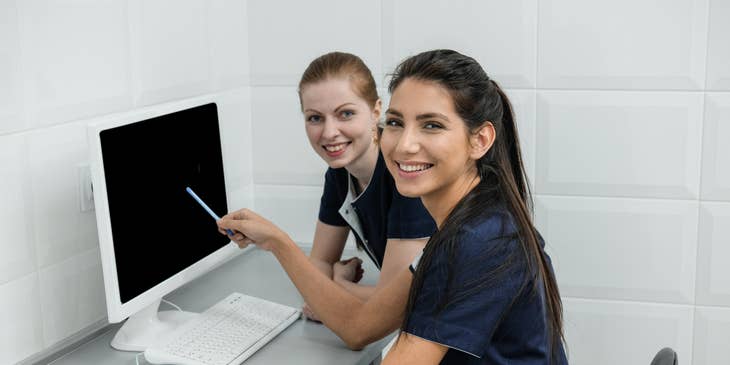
<point x="493" y="236"/>
<point x="491" y="225"/>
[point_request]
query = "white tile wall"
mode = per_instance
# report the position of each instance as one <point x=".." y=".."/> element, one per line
<point x="72" y="295"/>
<point x="17" y="252"/>
<point x="234" y="114"/>
<point x="294" y="208"/>
<point x="524" y="105"/>
<point x="610" y="333"/>
<point x="171" y="57"/>
<point x="712" y="331"/>
<point x="11" y="116"/>
<point x="280" y="144"/>
<point x="61" y="229"/>
<point x="621" y="248"/>
<point x="634" y="144"/>
<point x="286" y="35"/>
<point x="623" y="44"/>
<point x="716" y="150"/>
<point x="500" y="35"/>
<point x="21" y="333"/>
<point x="718" y="53"/>
<point x="713" y="255"/>
<point x="229" y="43"/>
<point x="77" y="58"/>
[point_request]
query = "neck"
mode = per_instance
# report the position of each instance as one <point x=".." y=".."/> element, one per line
<point x="362" y="168"/>
<point x="440" y="203"/>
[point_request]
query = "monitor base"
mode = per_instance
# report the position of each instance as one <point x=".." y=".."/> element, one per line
<point x="147" y="326"/>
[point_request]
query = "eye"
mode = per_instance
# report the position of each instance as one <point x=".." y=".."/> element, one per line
<point x="347" y="114"/>
<point x="314" y="118"/>
<point x="432" y="126"/>
<point x="393" y="123"/>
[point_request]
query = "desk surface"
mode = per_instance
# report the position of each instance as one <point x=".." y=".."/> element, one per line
<point x="255" y="273"/>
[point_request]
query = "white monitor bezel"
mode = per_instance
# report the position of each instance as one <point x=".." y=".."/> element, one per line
<point x="116" y="310"/>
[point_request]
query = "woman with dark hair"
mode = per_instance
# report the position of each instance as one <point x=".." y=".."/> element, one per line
<point x="483" y="291"/>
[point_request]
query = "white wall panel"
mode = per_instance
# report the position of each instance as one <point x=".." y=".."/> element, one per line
<point x="619" y="143"/>
<point x="713" y="255"/>
<point x="11" y="108"/>
<point x="77" y="58"/>
<point x="21" y="333"/>
<point x="61" y="229"/>
<point x="295" y="209"/>
<point x="17" y="252"/>
<point x="234" y="115"/>
<point x="229" y="43"/>
<point x="72" y="296"/>
<point x="171" y="57"/>
<point x="523" y="103"/>
<point x="281" y="151"/>
<point x="718" y="51"/>
<point x="712" y="331"/>
<point x="610" y="333"/>
<point x="500" y="35"/>
<point x="621" y="248"/>
<point x="623" y="44"/>
<point x="716" y="149"/>
<point x="287" y="35"/>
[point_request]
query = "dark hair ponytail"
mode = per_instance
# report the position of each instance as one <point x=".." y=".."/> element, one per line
<point x="503" y="182"/>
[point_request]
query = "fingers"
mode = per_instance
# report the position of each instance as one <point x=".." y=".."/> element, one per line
<point x="235" y="225"/>
<point x="241" y="214"/>
<point x="352" y="261"/>
<point x="308" y="314"/>
<point x="243" y="242"/>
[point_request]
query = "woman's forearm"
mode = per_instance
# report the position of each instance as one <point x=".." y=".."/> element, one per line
<point x="363" y="292"/>
<point x="354" y="320"/>
<point x="321" y="265"/>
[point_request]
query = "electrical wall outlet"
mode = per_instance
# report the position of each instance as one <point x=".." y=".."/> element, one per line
<point x="86" y="188"/>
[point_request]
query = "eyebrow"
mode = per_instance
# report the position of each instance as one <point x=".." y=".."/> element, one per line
<point x="420" y="116"/>
<point x="344" y="105"/>
<point x="336" y="109"/>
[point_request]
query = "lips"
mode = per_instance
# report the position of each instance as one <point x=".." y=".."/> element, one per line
<point x="412" y="169"/>
<point x="335" y="149"/>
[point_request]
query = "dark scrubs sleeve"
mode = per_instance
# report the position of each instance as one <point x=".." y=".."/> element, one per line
<point x="468" y="324"/>
<point x="408" y="218"/>
<point x="335" y="190"/>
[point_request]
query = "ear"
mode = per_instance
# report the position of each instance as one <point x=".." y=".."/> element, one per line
<point x="377" y="108"/>
<point x="482" y="140"/>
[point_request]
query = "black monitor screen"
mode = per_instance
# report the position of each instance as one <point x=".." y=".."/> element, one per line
<point x="157" y="228"/>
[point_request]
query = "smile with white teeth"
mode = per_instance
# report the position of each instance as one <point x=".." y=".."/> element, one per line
<point x="335" y="147"/>
<point x="414" y="167"/>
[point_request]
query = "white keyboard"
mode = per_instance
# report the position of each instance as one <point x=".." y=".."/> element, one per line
<point x="229" y="332"/>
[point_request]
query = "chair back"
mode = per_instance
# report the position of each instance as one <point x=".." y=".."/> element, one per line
<point x="665" y="356"/>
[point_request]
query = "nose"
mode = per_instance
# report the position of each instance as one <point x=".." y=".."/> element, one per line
<point x="408" y="142"/>
<point x="329" y="129"/>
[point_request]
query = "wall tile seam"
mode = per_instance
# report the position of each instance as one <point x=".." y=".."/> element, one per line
<point x="623" y="197"/>
<point x="629" y="302"/>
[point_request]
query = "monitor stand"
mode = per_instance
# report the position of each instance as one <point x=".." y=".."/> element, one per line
<point x="145" y="327"/>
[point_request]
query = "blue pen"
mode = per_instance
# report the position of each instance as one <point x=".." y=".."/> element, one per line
<point x="207" y="209"/>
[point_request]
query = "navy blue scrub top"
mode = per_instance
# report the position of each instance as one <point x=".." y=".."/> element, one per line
<point x="485" y="326"/>
<point x="377" y="214"/>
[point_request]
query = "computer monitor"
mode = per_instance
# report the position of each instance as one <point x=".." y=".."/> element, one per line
<point x="153" y="236"/>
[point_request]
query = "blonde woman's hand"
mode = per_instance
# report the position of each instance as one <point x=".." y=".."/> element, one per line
<point x="348" y="270"/>
<point x="249" y="228"/>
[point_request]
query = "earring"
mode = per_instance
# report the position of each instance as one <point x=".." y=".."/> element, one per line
<point x="375" y="135"/>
